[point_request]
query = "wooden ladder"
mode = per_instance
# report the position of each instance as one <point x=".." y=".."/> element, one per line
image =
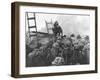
<point x="47" y="26"/>
<point x="32" y="33"/>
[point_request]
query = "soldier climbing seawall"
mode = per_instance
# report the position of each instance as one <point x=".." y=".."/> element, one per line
<point x="57" y="30"/>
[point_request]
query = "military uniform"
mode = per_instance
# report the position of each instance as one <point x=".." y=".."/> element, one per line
<point x="57" y="30"/>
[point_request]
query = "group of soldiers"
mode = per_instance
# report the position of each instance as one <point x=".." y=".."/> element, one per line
<point x="72" y="49"/>
<point x="61" y="50"/>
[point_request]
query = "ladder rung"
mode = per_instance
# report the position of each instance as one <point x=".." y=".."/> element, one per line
<point x="33" y="34"/>
<point x="31" y="18"/>
<point x="49" y="28"/>
<point x="32" y="27"/>
<point x="49" y="23"/>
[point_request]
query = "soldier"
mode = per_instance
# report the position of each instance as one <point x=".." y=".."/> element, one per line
<point x="80" y="42"/>
<point x="86" y="51"/>
<point x="55" y="49"/>
<point x="72" y="38"/>
<point x="78" y="47"/>
<point x="67" y="51"/>
<point x="57" y="30"/>
<point x="70" y="49"/>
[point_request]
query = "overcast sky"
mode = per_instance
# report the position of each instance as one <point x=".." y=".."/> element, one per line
<point x="77" y="24"/>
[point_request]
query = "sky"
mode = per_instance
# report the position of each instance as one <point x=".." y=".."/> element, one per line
<point x="77" y="24"/>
